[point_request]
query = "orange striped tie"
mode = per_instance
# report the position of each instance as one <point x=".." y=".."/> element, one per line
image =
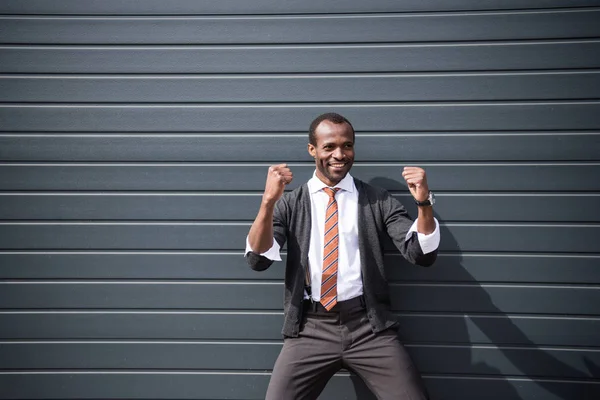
<point x="330" y="252"/>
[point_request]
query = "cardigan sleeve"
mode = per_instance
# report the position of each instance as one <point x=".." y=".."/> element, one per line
<point x="398" y="225"/>
<point x="428" y="242"/>
<point x="260" y="262"/>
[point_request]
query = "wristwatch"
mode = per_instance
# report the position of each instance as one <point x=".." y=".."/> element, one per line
<point x="429" y="202"/>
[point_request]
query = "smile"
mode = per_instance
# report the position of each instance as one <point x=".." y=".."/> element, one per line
<point x="337" y="165"/>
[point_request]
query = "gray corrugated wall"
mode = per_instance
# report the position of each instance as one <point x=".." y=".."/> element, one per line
<point x="134" y="142"/>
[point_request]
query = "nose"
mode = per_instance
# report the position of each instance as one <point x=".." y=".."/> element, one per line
<point x="338" y="154"/>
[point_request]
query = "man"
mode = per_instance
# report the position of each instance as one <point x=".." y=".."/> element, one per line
<point x="336" y="303"/>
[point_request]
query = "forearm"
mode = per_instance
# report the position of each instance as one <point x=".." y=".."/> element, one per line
<point x="425" y="222"/>
<point x="260" y="237"/>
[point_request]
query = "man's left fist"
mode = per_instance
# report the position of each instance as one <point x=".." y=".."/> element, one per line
<point x="417" y="182"/>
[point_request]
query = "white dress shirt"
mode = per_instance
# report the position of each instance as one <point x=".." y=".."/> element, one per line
<point x="349" y="280"/>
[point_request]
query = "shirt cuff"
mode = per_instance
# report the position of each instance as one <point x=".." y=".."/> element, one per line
<point x="272" y="254"/>
<point x="429" y="242"/>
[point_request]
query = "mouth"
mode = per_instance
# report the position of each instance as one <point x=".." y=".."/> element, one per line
<point x="337" y="166"/>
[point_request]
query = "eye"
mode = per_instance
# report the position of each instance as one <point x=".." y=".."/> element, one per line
<point x="349" y="145"/>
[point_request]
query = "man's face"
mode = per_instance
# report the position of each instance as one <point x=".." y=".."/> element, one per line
<point x="334" y="151"/>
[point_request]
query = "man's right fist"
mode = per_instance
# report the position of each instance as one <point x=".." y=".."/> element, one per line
<point x="277" y="177"/>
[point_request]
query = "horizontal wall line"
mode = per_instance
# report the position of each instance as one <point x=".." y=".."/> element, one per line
<point x="334" y="15"/>
<point x="143" y="282"/>
<point x="433" y="314"/>
<point x="510" y="378"/>
<point x="268" y="373"/>
<point x="131" y="372"/>
<point x="170" y="75"/>
<point x="282" y="103"/>
<point x="175" y="47"/>
<point x="295" y="103"/>
<point x="473" y="164"/>
<point x="214" y="222"/>
<point x="373" y="8"/>
<point x="465" y="132"/>
<point x="498" y="103"/>
<point x="293" y="45"/>
<point x="147" y="341"/>
<point x="196" y="282"/>
<point x="279" y="312"/>
<point x="260" y="193"/>
<point x="221" y="281"/>
<point x="300" y="75"/>
<point x="139" y="312"/>
<point x="237" y="135"/>
<point x="439" y="345"/>
<point x="284" y="253"/>
<point x="438" y="314"/>
<point x="249" y="222"/>
<point x="519" y="285"/>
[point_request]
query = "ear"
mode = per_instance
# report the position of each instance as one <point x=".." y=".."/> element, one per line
<point x="312" y="151"/>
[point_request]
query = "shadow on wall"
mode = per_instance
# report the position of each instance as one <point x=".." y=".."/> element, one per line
<point x="497" y="330"/>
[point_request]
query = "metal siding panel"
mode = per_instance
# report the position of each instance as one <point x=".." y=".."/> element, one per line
<point x="479" y="360"/>
<point x="242" y="177"/>
<point x="575" y="85"/>
<point x="436" y="359"/>
<point x="130" y="355"/>
<point x="291" y="147"/>
<point x="192" y="325"/>
<point x="500" y="267"/>
<point x="463" y="267"/>
<point x="199" y="385"/>
<point x="498" y="298"/>
<point x="407" y="297"/>
<point x="231" y="236"/>
<point x="260" y="325"/>
<point x="271" y="118"/>
<point x="140" y="356"/>
<point x="491" y="56"/>
<point x="143" y="295"/>
<point x="103" y="385"/>
<point x="503" y="388"/>
<point x="519" y="330"/>
<point x="133" y="265"/>
<point x="385" y="28"/>
<point x="484" y="207"/>
<point x="229" y="7"/>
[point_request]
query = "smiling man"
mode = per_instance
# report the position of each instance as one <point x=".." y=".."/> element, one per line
<point x="336" y="301"/>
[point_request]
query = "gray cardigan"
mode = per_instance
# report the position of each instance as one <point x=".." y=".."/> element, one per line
<point x="379" y="216"/>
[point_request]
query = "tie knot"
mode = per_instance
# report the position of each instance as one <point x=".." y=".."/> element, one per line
<point x="331" y="191"/>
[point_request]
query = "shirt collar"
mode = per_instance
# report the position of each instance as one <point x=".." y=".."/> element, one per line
<point x="315" y="184"/>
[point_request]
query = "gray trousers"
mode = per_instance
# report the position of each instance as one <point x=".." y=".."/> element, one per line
<point x="342" y="338"/>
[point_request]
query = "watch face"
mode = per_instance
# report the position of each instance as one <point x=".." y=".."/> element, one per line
<point x="431" y="198"/>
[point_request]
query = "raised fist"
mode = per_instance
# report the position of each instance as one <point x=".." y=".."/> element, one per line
<point x="277" y="177"/>
<point x="417" y="182"/>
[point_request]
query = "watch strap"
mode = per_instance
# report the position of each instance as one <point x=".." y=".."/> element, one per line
<point x="426" y="202"/>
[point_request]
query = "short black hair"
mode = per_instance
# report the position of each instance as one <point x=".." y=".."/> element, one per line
<point x="332" y="117"/>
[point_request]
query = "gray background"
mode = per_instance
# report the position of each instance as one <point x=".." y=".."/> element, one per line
<point x="135" y="137"/>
